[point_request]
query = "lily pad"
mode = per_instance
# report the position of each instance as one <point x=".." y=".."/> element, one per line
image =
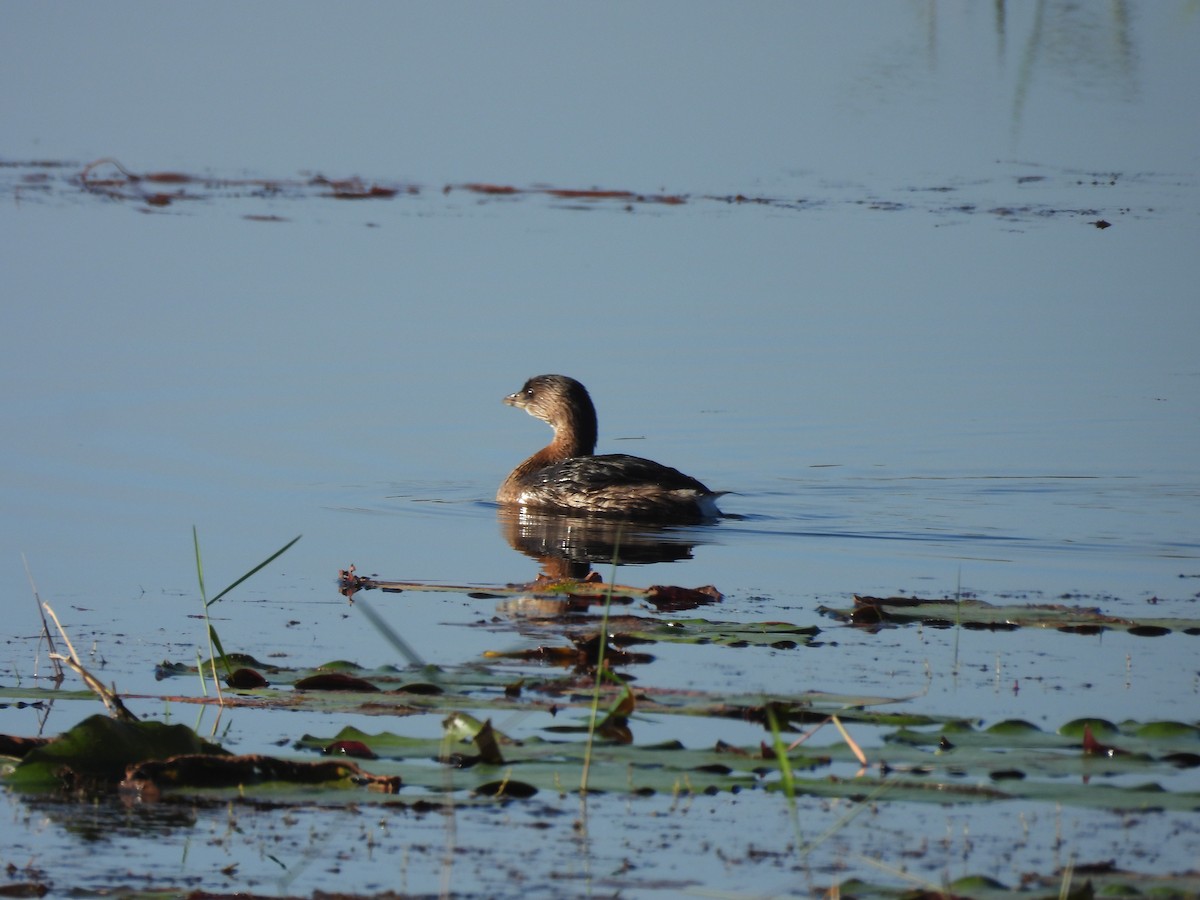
<point x="777" y="635"/>
<point x="877" y="612"/>
<point x="101" y="748"/>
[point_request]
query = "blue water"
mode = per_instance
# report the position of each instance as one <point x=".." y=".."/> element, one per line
<point x="908" y="353"/>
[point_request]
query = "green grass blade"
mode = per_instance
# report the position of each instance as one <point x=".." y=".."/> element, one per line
<point x="220" y="654"/>
<point x="270" y="559"/>
<point x="199" y="566"/>
<point x="781" y="755"/>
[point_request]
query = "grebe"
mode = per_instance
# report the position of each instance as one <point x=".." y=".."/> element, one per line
<point x="566" y="474"/>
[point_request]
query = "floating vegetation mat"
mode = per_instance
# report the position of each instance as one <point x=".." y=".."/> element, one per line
<point x="1128" y="765"/>
<point x="572" y="715"/>
<point x="261" y="198"/>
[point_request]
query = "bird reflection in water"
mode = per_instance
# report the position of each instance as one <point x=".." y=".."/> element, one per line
<point x="568" y="546"/>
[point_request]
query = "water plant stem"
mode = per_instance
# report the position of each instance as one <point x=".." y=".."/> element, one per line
<point x="214" y="641"/>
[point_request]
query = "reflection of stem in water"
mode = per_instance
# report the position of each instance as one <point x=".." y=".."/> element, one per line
<point x="1075" y="43"/>
<point x="1001" y="29"/>
<point x="957" y="618"/>
<point x="591" y="735"/>
<point x="612" y="579"/>
<point x="1025" y="73"/>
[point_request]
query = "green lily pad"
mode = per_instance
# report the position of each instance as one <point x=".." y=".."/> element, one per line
<point x="101" y="748"/>
<point x="777" y="635"/>
<point x="875" y="612"/>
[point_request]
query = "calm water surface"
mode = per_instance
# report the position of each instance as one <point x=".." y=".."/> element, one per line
<point x="909" y="353"/>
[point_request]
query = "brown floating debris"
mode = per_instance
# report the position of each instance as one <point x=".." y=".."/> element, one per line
<point x="334" y="681"/>
<point x="593" y="194"/>
<point x="508" y="190"/>
<point x="349" y="584"/>
<point x="245" y="679"/>
<point x="489" y="749"/>
<point x="1149" y="630"/>
<point x="357" y="749"/>
<point x="168" y="177"/>
<point x="11" y="745"/>
<point x="665" y="596"/>
<point x="506" y="789"/>
<point x="107" y="177"/>
<point x="358" y="192"/>
<point x="489" y="188"/>
<point x="668" y="598"/>
<point x="354" y="189"/>
<point x="584" y="655"/>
